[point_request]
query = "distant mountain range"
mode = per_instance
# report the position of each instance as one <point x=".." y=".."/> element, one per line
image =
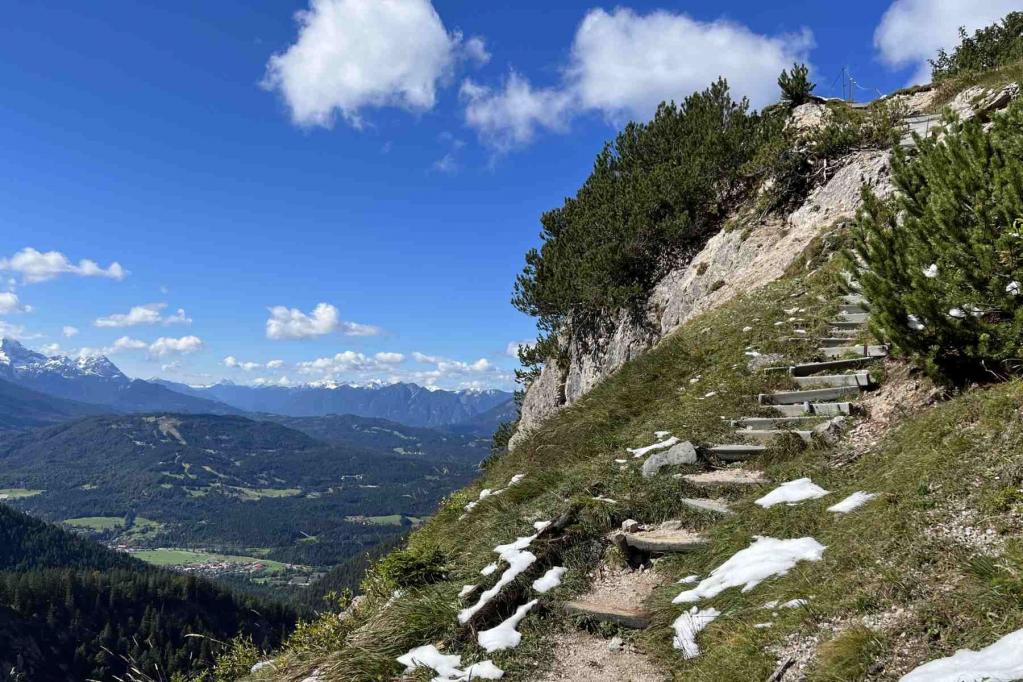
<point x="404" y="403"/>
<point x="96" y="381"/>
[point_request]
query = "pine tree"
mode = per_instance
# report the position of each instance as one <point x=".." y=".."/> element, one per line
<point x="941" y="262"/>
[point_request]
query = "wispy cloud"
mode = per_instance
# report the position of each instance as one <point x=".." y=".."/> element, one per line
<point x="35" y="266"/>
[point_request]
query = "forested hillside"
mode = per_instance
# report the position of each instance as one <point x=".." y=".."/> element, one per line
<point x="71" y="609"/>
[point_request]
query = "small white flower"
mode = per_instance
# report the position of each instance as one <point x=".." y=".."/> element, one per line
<point x="1013" y="288"/>
<point x="931" y="271"/>
<point x="957" y="313"/>
<point x="915" y="324"/>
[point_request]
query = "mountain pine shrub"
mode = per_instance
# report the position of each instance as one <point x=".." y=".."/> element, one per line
<point x="796" y="87"/>
<point x="941" y="261"/>
<point x="988" y="48"/>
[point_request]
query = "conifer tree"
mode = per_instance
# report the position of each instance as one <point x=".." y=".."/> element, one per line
<point x="941" y="261"/>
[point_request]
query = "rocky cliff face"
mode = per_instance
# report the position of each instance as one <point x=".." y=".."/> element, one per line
<point x="733" y="261"/>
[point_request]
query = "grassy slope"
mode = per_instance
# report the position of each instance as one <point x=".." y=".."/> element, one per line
<point x="878" y="558"/>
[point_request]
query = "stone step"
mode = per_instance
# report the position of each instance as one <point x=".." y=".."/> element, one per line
<point x="824" y="409"/>
<point x="848" y="333"/>
<point x="767" y="435"/>
<point x="666" y="541"/>
<point x="635" y="618"/>
<point x="707" y="504"/>
<point x="809" y="368"/>
<point x="725" y="478"/>
<point x="735" y="452"/>
<point x="866" y="350"/>
<point x="773" y="422"/>
<point x="861" y="379"/>
<point x="856" y="308"/>
<point x="809" y="396"/>
<point x="853" y="299"/>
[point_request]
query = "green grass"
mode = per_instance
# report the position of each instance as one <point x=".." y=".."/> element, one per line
<point x="881" y="559"/>
<point x="388" y="520"/>
<point x="96" y="522"/>
<point x="191" y="557"/>
<point x="15" y="493"/>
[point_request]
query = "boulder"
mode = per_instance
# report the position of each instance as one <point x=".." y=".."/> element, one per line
<point x="831" y="431"/>
<point x="630" y="525"/>
<point x="682" y="453"/>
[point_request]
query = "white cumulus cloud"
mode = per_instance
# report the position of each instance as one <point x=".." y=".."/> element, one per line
<point x="68" y="331"/>
<point x="512" y="349"/>
<point x="292" y="323"/>
<point x="623" y="64"/>
<point x="184" y="345"/>
<point x="10" y="303"/>
<point x="275" y="364"/>
<point x="389" y="358"/>
<point x="150" y="313"/>
<point x="234" y="363"/>
<point x="36" y="266"/>
<point x="912" y="31"/>
<point x="354" y="54"/>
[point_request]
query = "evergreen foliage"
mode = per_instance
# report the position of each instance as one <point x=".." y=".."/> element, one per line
<point x="654" y="196"/>
<point x="941" y="261"/>
<point x="796" y="87"/>
<point x="988" y="48"/>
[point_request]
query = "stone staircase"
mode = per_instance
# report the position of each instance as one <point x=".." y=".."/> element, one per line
<point x="825" y="388"/>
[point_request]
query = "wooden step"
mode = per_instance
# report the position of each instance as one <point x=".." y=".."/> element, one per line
<point x="854" y="318"/>
<point x="666" y="541"/>
<point x="848" y="324"/>
<point x="773" y="422"/>
<point x="855" y="308"/>
<point x="832" y="341"/>
<point x="726" y="478"/>
<point x="824" y="409"/>
<point x="635" y="618"/>
<point x="865" y="350"/>
<point x="767" y="435"/>
<point x="853" y="299"/>
<point x="810" y="396"/>
<point x="707" y="504"/>
<point x="809" y="368"/>
<point x="860" y="379"/>
<point x="847" y="332"/>
<point x="735" y="452"/>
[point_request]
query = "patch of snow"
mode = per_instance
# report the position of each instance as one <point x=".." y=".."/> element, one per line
<point x="467" y="589"/>
<point x="485" y="493"/>
<point x="914" y="323"/>
<point x="765" y="558"/>
<point x="259" y="666"/>
<point x="689" y="580"/>
<point x="761" y="626"/>
<point x="792" y="493"/>
<point x="621" y="461"/>
<point x="747" y="329"/>
<point x="854" y="501"/>
<point x="516" y="478"/>
<point x="489" y="568"/>
<point x="687" y="626"/>
<point x="711" y="394"/>
<point x="1013" y="288"/>
<point x="1000" y="662"/>
<point x="957" y="313"/>
<point x="518" y="561"/>
<point x="541" y="525"/>
<point x="448" y="667"/>
<point x="931" y="271"/>
<point x="667" y="443"/>
<point x="661" y="435"/>
<point x="505" y="636"/>
<point x="550" y="579"/>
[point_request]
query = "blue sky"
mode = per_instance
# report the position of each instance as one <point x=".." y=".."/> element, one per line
<point x="347" y="194"/>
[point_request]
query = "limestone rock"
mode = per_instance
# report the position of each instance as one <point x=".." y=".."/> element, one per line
<point x="980" y="101"/>
<point x="831" y="431"/>
<point x="808" y="117"/>
<point x="682" y="453"/>
<point x="630" y="525"/>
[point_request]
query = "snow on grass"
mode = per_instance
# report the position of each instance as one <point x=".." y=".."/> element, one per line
<point x="854" y="501"/>
<point x="749" y="567"/>
<point x="689" y="580"/>
<point x="792" y="492"/>
<point x="489" y="568"/>
<point x="660" y="445"/>
<point x="790" y="604"/>
<point x="661" y="435"/>
<point x="550" y="580"/>
<point x="541" y="525"/>
<point x="467" y="590"/>
<point x="448" y="667"/>
<point x="687" y="626"/>
<point x="489" y="492"/>
<point x="518" y="560"/>
<point x="1000" y="662"/>
<point x="505" y="636"/>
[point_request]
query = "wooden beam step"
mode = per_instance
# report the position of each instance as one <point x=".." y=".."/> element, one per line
<point x="824" y="409"/>
<point x="809" y="396"/>
<point x="865" y="350"/>
<point x="860" y="379"/>
<point x="809" y="368"/>
<point x="635" y="618"/>
<point x="767" y="435"/>
<point x="726" y="478"/>
<point x="735" y="452"/>
<point x="707" y="504"/>
<point x="774" y="422"/>
<point x="666" y="541"/>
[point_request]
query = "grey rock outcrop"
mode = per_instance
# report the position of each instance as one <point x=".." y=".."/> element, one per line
<point x="677" y="455"/>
